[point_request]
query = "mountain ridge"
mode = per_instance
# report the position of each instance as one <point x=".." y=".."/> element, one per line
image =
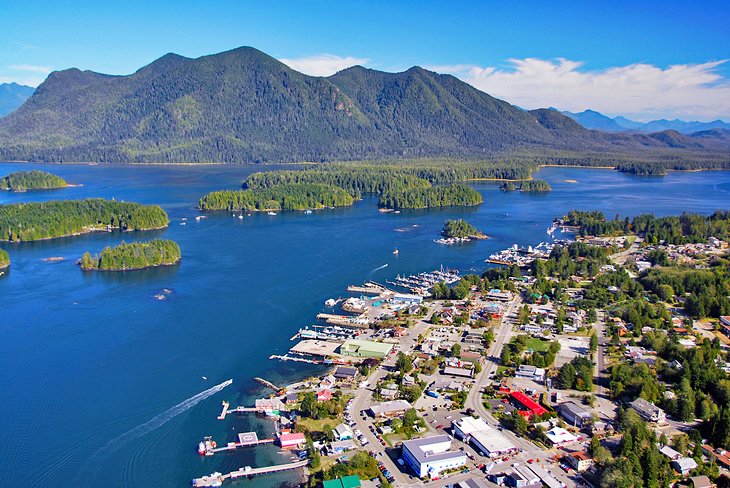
<point x="12" y="96"/>
<point x="590" y="119"/>
<point x="243" y="105"/>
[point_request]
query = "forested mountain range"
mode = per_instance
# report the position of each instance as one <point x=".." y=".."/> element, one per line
<point x="244" y="106"/>
<point x="590" y="119"/>
<point x="12" y="96"/>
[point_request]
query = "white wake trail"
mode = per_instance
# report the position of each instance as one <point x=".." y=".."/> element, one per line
<point x="379" y="268"/>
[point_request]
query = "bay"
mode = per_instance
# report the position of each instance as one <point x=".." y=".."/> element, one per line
<point x="96" y="371"/>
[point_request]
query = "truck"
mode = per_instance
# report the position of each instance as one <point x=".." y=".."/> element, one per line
<point x="432" y="394"/>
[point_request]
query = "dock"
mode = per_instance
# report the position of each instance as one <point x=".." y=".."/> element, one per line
<point x="245" y="439"/>
<point x="359" y="321"/>
<point x="267" y="384"/>
<point x="369" y="288"/>
<point x="216" y="479"/>
<point x="228" y="410"/>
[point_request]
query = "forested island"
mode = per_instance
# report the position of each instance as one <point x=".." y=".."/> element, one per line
<point x="528" y="185"/>
<point x="456" y="194"/>
<point x="288" y="196"/>
<point x="4" y="259"/>
<point x="460" y="229"/>
<point x="682" y="229"/>
<point x="642" y="169"/>
<point x="31" y="180"/>
<point x="136" y="255"/>
<point x="59" y="218"/>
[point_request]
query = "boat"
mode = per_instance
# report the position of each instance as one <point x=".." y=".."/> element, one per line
<point x="201" y="448"/>
<point x="183" y="223"/>
<point x="330" y="303"/>
<point x="270" y="213"/>
<point x="396" y="252"/>
<point x="308" y="212"/>
<point x="240" y="217"/>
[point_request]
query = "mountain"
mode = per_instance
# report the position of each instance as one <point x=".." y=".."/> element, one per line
<point x="591" y="119"/>
<point x="12" y="96"/>
<point x="245" y="106"/>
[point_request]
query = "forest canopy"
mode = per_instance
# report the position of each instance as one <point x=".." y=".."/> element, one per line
<point x="289" y="196"/>
<point x="4" y="259"/>
<point x="136" y="255"/>
<point x="31" y="180"/>
<point x="59" y="218"/>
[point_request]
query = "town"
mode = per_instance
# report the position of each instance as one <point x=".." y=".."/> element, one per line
<point x="582" y="367"/>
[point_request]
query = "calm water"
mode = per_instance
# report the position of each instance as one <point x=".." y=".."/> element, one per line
<point x="97" y="374"/>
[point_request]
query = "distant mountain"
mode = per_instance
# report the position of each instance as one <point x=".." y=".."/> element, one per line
<point x="591" y="119"/>
<point x="12" y="96"/>
<point x="245" y="106"/>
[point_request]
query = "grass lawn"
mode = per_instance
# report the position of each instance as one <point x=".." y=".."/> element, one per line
<point x="319" y="425"/>
<point x="537" y="345"/>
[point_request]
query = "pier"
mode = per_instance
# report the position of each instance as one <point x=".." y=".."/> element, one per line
<point x="359" y="321"/>
<point x="245" y="439"/>
<point x="227" y="410"/>
<point x="268" y="384"/>
<point x="216" y="479"/>
<point x="370" y="288"/>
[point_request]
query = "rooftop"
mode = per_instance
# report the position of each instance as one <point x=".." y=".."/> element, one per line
<point x="430" y="449"/>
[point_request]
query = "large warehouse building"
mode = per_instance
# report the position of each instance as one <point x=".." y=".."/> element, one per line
<point x="483" y="437"/>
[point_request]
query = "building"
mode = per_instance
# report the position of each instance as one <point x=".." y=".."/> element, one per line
<point x="684" y="465"/>
<point x="575" y="415"/>
<point x="580" y="461"/>
<point x="292" y="440"/>
<point x="324" y="395"/>
<point x="670" y="453"/>
<point x="407" y="298"/>
<point x="394" y="408"/>
<point x="483" y="437"/>
<point x="345" y="373"/>
<point x="291" y="398"/>
<point x="472" y="483"/>
<point x="700" y="482"/>
<point x="429" y="456"/>
<point x="342" y="433"/>
<point x="648" y="411"/>
<point x="527" y="406"/>
<point x="725" y="324"/>
<point x="365" y="349"/>
<point x="521" y="476"/>
<point x="268" y="405"/>
<point x="560" y="437"/>
<point x="530" y="372"/>
<point x="499" y="295"/>
<point x="351" y="481"/>
<point x="338" y="447"/>
<point x="461" y="372"/>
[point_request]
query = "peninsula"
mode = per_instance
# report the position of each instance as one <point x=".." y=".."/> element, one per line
<point x="60" y="218"/>
<point x="31" y="180"/>
<point x="133" y="256"/>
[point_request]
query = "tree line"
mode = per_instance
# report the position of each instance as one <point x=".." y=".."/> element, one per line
<point x="289" y="196"/>
<point x="459" y="228"/>
<point x="59" y="218"/>
<point x="528" y="185"/>
<point x="456" y="194"/>
<point x="4" y="259"/>
<point x="135" y="255"/>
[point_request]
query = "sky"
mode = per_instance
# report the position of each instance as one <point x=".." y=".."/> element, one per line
<point x="641" y="59"/>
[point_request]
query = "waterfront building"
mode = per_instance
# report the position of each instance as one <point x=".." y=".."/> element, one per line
<point x="292" y="440"/>
<point x="365" y="349"/>
<point x="429" y="456"/>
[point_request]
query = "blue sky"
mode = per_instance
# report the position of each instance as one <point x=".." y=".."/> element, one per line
<point x="645" y="59"/>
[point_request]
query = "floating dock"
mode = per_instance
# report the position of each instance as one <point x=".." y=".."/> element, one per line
<point x="245" y="439"/>
<point x="217" y="479"/>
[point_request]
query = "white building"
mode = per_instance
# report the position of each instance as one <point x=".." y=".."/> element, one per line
<point x="530" y="372"/>
<point x="429" y="456"/>
<point x="559" y="436"/>
<point x="483" y="437"/>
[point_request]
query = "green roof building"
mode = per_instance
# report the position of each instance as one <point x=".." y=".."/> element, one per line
<point x="365" y="349"/>
<point x="351" y="481"/>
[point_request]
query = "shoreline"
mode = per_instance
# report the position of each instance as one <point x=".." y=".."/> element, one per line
<point x="91" y="231"/>
<point x="121" y="270"/>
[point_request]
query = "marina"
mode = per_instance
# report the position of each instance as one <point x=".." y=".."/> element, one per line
<point x="523" y="256"/>
<point x="217" y="479"/>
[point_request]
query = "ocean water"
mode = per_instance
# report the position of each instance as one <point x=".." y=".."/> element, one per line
<point x="103" y="385"/>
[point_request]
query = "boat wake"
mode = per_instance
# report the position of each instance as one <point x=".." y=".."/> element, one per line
<point x="147" y="427"/>
<point x="379" y="268"/>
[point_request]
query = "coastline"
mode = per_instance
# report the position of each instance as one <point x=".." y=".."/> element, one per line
<point x="89" y="231"/>
<point x="118" y="270"/>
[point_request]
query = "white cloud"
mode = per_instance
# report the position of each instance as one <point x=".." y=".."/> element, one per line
<point x="323" y="64"/>
<point x="28" y="74"/>
<point x="640" y="91"/>
<point x="44" y="70"/>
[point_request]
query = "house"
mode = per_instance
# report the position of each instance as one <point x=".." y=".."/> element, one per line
<point x="389" y="393"/>
<point x="292" y="440"/>
<point x="324" y="395"/>
<point x="429" y="456"/>
<point x="700" y="482"/>
<point x="268" y="405"/>
<point x="580" y="461"/>
<point x="351" y="481"/>
<point x="291" y="398"/>
<point x="345" y="373"/>
<point x="521" y="476"/>
<point x="338" y="447"/>
<point x="574" y="414"/>
<point x="328" y="382"/>
<point x="684" y="465"/>
<point x="394" y="408"/>
<point x="530" y="372"/>
<point x="560" y="437"/>
<point x="483" y="437"/>
<point x="527" y="406"/>
<point x="408" y="380"/>
<point x="342" y="433"/>
<point x="470" y="357"/>
<point x="670" y="453"/>
<point x="648" y="411"/>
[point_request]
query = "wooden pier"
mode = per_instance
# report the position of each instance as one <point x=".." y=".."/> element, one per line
<point x="228" y="410"/>
<point x="268" y="384"/>
<point x="216" y="479"/>
<point x="360" y="321"/>
<point x="245" y="439"/>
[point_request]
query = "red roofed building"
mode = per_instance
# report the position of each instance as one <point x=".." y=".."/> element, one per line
<point x="292" y="440"/>
<point x="526" y="406"/>
<point x="324" y="395"/>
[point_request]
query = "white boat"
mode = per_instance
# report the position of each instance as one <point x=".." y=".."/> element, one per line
<point x="271" y="213"/>
<point x="240" y="217"/>
<point x="330" y="303"/>
<point x="396" y="252"/>
<point x="308" y="212"/>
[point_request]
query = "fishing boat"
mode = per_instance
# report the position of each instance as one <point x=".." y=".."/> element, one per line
<point x="396" y="252"/>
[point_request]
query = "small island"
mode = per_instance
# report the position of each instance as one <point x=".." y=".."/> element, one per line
<point x="137" y="255"/>
<point x="528" y="185"/>
<point x="290" y="196"/>
<point x="460" y="230"/>
<point x="21" y="181"/>
<point x="60" y="218"/>
<point x="4" y="259"/>
<point x="642" y="169"/>
<point x="454" y="195"/>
